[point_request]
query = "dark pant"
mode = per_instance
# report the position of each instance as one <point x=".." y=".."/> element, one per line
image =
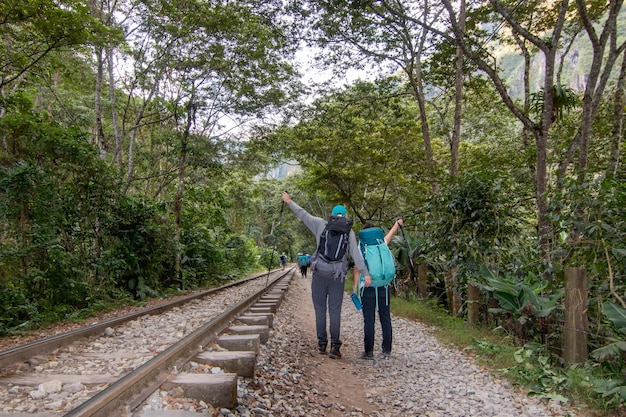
<point x="327" y="293"/>
<point x="370" y="294"/>
<point x="303" y="270"/>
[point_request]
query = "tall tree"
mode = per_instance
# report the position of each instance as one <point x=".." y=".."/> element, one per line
<point x="33" y="30"/>
<point x="35" y="33"/>
<point x="550" y="18"/>
<point x="199" y="65"/>
<point x="380" y="33"/>
<point x="358" y="148"/>
<point x="458" y="97"/>
<point x="617" y="131"/>
<point x="606" y="49"/>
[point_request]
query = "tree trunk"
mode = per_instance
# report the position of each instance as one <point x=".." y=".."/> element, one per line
<point x="544" y="228"/>
<point x="134" y="131"/>
<point x="617" y="132"/>
<point x="458" y="99"/>
<point x="417" y="88"/>
<point x="526" y="133"/>
<point x="416" y="81"/>
<point x="598" y="75"/>
<point x="3" y="136"/>
<point x="422" y="280"/>
<point x="98" y="136"/>
<point x="449" y="285"/>
<point x="25" y="233"/>
<point x="178" y="199"/>
<point x="116" y="130"/>
<point x="452" y="294"/>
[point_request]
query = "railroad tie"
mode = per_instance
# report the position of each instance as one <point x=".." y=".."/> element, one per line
<point x="271" y="305"/>
<point x="257" y="318"/>
<point x="242" y="363"/>
<point x="250" y="342"/>
<point x="219" y="390"/>
<point x="262" y="330"/>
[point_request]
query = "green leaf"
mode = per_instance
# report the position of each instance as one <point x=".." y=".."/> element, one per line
<point x="607" y="387"/>
<point x="621" y="390"/>
<point x="498" y="311"/>
<point x="611" y="351"/>
<point x="543" y="312"/>
<point x="508" y="301"/>
<point x="495" y="283"/>
<point x="616" y="314"/>
<point x="617" y="252"/>
<point x="545" y="305"/>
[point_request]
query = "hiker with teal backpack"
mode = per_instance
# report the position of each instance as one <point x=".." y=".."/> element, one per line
<point x="373" y="291"/>
<point x="303" y="262"/>
<point x="329" y="265"/>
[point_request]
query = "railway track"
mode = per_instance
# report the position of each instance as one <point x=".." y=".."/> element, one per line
<point x="110" y="368"/>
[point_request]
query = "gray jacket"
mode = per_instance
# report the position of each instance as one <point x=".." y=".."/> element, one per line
<point x="317" y="225"/>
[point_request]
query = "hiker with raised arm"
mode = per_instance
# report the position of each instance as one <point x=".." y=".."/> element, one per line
<point x="335" y="241"/>
<point x="373" y="291"/>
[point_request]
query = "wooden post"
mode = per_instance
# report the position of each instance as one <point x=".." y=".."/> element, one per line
<point x="473" y="305"/>
<point x="452" y="294"/>
<point x="422" y="280"/>
<point x="575" y="349"/>
<point x="449" y="284"/>
<point x="458" y="302"/>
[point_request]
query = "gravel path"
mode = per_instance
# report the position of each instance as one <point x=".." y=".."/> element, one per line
<point x="422" y="378"/>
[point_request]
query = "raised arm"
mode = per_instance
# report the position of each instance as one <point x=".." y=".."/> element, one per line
<point x="393" y="230"/>
<point x="312" y="222"/>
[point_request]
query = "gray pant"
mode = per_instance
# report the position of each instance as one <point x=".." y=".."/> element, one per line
<point x="327" y="293"/>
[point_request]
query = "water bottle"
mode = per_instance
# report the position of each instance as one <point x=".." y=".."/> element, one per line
<point x="357" y="302"/>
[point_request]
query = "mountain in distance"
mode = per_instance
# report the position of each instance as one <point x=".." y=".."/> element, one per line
<point x="576" y="63"/>
<point x="284" y="169"/>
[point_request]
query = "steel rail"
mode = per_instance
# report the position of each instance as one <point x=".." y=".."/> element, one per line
<point x="46" y="345"/>
<point x="131" y="390"/>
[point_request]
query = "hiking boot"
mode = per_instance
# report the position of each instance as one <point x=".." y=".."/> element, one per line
<point x="334" y="351"/>
<point x="321" y="348"/>
<point x="367" y="356"/>
<point x="386" y="355"/>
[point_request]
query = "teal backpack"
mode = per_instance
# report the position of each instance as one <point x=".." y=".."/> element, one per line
<point x="378" y="258"/>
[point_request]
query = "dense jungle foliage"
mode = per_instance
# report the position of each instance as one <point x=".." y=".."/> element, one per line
<point x="138" y="142"/>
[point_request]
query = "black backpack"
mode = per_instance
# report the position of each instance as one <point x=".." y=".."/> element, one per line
<point x="334" y="239"/>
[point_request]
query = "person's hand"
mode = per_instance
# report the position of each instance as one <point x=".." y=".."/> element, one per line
<point x="286" y="197"/>
<point x="368" y="280"/>
<point x="400" y="222"/>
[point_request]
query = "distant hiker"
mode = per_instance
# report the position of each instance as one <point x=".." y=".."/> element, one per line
<point x="374" y="290"/>
<point x="283" y="260"/>
<point x="303" y="261"/>
<point x="335" y="241"/>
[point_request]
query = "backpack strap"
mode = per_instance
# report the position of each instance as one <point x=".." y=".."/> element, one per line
<point x="361" y="289"/>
